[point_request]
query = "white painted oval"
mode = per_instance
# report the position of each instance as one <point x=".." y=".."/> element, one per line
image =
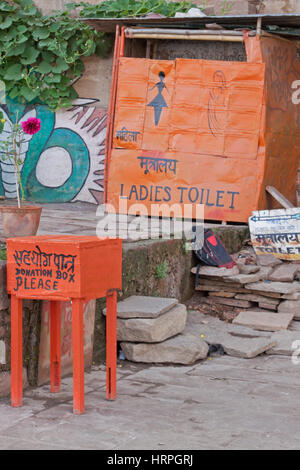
<point x="54" y="167"/>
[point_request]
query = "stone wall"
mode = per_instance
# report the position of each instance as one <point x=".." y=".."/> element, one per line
<point x="31" y="336"/>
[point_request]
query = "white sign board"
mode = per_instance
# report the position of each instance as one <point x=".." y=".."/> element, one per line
<point x="276" y="232"/>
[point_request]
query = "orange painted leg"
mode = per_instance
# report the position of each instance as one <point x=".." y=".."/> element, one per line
<point x="16" y="352"/>
<point x="111" y="346"/>
<point x="55" y="346"/>
<point x="78" y="356"/>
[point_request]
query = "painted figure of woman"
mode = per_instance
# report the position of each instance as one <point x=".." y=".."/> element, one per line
<point x="158" y="103"/>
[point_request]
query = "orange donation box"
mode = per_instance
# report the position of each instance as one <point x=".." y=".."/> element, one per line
<point x="59" y="268"/>
<point x="216" y="133"/>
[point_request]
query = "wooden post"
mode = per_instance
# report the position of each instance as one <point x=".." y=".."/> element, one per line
<point x="55" y="346"/>
<point x="16" y="352"/>
<point x="78" y="356"/>
<point x="111" y="345"/>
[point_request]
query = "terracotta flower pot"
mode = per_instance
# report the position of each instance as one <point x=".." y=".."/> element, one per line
<point x="20" y="222"/>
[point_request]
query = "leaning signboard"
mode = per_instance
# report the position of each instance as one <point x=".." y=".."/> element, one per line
<point x="276" y="232"/>
<point x="190" y="132"/>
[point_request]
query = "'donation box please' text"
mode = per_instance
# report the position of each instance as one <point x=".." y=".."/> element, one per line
<point x="63" y="267"/>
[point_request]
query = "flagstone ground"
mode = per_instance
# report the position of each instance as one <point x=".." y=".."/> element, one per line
<point x="223" y="403"/>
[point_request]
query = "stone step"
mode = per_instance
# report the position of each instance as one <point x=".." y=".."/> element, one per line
<point x="264" y="320"/>
<point x="139" y="306"/>
<point x="153" y="330"/>
<point x="182" y="349"/>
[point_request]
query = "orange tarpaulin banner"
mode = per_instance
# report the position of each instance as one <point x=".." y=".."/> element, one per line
<point x="190" y="132"/>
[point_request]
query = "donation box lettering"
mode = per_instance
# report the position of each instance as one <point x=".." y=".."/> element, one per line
<point x="63" y="267"/>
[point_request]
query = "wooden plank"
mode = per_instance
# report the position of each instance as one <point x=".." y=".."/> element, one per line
<point x="279" y="197"/>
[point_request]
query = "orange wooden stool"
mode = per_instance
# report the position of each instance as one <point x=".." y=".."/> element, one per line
<point x="59" y="268"/>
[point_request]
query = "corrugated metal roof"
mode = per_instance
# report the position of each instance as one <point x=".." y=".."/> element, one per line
<point x="235" y="21"/>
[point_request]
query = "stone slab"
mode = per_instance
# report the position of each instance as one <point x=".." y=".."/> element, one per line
<point x="248" y="268"/>
<point x="237" y="341"/>
<point x="295" y="296"/>
<point x="267" y="306"/>
<point x="265" y="321"/>
<point x="275" y="287"/>
<point x="290" y="306"/>
<point x="265" y="272"/>
<point x="257" y="298"/>
<point x="182" y="349"/>
<point x="227" y="295"/>
<point x="245" y="278"/>
<point x="229" y="302"/>
<point x="284" y="342"/>
<point x="268" y="260"/>
<point x="153" y="330"/>
<point x="139" y="306"/>
<point x="247" y="348"/>
<point x="211" y="271"/>
<point x="286" y="272"/>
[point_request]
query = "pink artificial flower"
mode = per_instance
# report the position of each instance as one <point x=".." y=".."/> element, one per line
<point x="31" y="126"/>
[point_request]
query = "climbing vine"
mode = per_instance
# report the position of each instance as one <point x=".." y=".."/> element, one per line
<point x="132" y="8"/>
<point x="41" y="55"/>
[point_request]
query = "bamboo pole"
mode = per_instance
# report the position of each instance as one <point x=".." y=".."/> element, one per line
<point x="190" y="37"/>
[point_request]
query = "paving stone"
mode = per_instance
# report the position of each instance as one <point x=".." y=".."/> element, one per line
<point x="248" y="268"/>
<point x="265" y="321"/>
<point x="182" y="349"/>
<point x="267" y="306"/>
<point x="276" y="287"/>
<point x="229" y="302"/>
<point x="215" y="331"/>
<point x="295" y="296"/>
<point x="264" y="305"/>
<point x="143" y="307"/>
<point x="246" y="347"/>
<point x="290" y="306"/>
<point x="265" y="272"/>
<point x="268" y="260"/>
<point x="244" y="278"/>
<point x="211" y="271"/>
<point x="257" y="298"/>
<point x="284" y="341"/>
<point x="153" y="330"/>
<point x="236" y="340"/>
<point x="228" y="295"/>
<point x="284" y="273"/>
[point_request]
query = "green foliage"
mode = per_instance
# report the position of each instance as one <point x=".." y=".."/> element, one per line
<point x="40" y="56"/>
<point x="226" y="7"/>
<point x="131" y="8"/>
<point x="3" y="253"/>
<point x="161" y="270"/>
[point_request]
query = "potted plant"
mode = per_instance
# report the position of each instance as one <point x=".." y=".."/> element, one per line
<point x="21" y="220"/>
